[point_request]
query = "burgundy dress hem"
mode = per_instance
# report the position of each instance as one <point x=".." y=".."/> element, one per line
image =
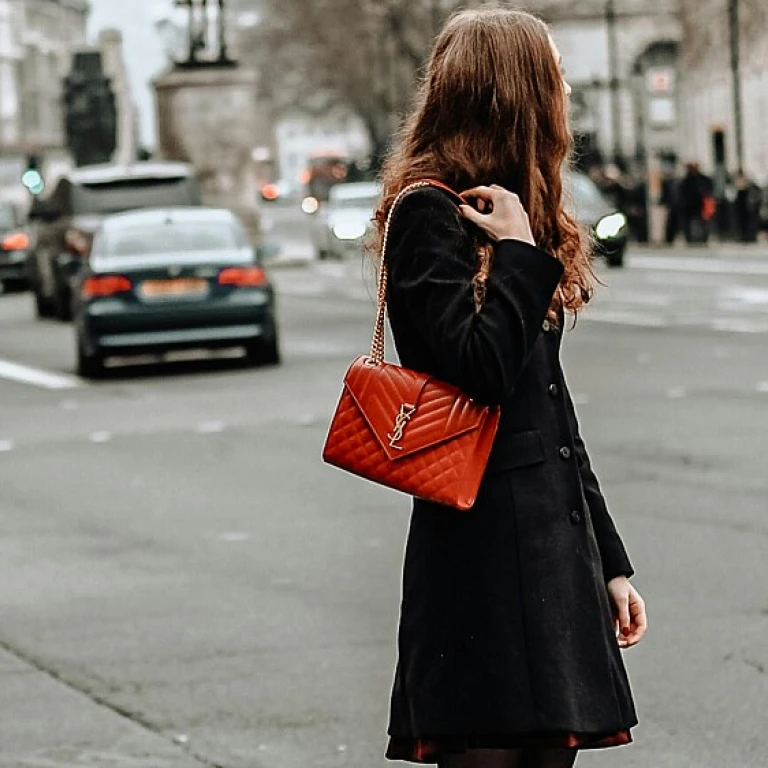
<point x="429" y="750"/>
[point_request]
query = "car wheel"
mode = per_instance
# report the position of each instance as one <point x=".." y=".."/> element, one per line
<point x="615" y="259"/>
<point x="263" y="352"/>
<point x="89" y="366"/>
<point x="43" y="307"/>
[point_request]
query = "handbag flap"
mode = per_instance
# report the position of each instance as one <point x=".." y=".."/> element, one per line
<point x="409" y="411"/>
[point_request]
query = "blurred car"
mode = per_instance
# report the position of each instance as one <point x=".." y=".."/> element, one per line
<point x="165" y="279"/>
<point x="14" y="244"/>
<point x="596" y="212"/>
<point x="343" y="222"/>
<point x="65" y="221"/>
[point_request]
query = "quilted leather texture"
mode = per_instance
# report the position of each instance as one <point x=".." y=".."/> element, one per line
<point x="445" y="443"/>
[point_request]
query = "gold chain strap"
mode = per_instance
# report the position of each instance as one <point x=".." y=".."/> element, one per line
<point x="376" y="355"/>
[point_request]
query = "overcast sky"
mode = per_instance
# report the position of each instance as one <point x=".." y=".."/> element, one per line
<point x="143" y="50"/>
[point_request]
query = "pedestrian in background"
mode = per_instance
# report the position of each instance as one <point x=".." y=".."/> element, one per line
<point x="746" y="208"/>
<point x="696" y="204"/>
<point x="513" y="613"/>
<point x="670" y="199"/>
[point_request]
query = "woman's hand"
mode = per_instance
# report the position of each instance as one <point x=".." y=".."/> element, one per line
<point x="630" y="618"/>
<point x="499" y="213"/>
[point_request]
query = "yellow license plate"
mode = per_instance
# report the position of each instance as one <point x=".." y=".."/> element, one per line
<point x="182" y="286"/>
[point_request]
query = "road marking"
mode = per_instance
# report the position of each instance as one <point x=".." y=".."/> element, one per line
<point x="234" y="536"/>
<point x="762" y="386"/>
<point x="699" y="265"/>
<point x="6" y="445"/>
<point x="37" y="377"/>
<point x="624" y="317"/>
<point x="741" y="297"/>
<point x="100" y="437"/>
<point x="210" y="427"/>
<point x="738" y="325"/>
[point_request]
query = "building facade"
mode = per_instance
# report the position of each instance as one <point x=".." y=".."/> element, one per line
<point x="37" y="38"/>
<point x="708" y="107"/>
<point x="621" y="62"/>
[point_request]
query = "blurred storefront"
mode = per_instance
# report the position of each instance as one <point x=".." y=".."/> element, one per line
<point x="708" y="130"/>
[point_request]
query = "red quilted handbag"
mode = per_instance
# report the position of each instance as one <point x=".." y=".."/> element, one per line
<point x="407" y="430"/>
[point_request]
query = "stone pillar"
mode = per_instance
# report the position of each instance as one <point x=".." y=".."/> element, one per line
<point x="111" y="46"/>
<point x="208" y="117"/>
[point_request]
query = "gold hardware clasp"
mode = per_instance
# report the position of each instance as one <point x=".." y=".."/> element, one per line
<point x="401" y="421"/>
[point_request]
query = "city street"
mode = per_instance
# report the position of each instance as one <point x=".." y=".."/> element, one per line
<point x="186" y="584"/>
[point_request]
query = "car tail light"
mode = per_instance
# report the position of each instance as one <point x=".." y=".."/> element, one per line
<point x="108" y="285"/>
<point x="243" y="277"/>
<point x="17" y="241"/>
<point x="270" y="192"/>
<point x="77" y="242"/>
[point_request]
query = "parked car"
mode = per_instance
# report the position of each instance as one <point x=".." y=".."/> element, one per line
<point x="596" y="212"/>
<point x="340" y="227"/>
<point x="14" y="244"/>
<point x="64" y="222"/>
<point x="172" y="278"/>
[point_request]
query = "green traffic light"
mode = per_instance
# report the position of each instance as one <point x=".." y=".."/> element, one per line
<point x="33" y="181"/>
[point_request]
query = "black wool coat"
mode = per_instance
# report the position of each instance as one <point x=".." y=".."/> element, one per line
<point x="506" y="626"/>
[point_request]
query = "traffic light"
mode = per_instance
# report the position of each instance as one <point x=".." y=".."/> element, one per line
<point x="32" y="179"/>
<point x="90" y="111"/>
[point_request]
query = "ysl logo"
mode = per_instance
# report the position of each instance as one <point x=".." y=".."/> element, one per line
<point x="401" y="421"/>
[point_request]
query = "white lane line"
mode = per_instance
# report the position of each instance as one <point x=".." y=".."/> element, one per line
<point x="37" y="377"/>
<point x="738" y="325"/>
<point x="211" y="427"/>
<point x="6" y="446"/>
<point x="619" y="317"/>
<point x="699" y="265"/>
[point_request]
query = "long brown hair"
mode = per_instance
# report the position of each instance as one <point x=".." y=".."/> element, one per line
<point x="492" y="109"/>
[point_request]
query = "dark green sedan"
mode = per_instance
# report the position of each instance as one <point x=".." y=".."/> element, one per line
<point x="159" y="280"/>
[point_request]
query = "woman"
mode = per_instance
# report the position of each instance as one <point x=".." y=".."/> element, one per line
<point x="513" y="613"/>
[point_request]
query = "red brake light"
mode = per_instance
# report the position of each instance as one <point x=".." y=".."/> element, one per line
<point x="270" y="192"/>
<point x="108" y="285"/>
<point x="243" y="277"/>
<point x="15" y="242"/>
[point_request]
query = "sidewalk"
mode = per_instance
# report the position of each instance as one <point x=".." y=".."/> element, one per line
<point x="714" y="249"/>
<point x="47" y="724"/>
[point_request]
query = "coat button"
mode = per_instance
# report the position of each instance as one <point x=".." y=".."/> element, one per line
<point x="565" y="453"/>
<point x="553" y="390"/>
<point x="575" y="517"/>
<point x="545" y="326"/>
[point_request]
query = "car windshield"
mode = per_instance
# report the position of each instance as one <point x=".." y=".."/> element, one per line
<point x="173" y="237"/>
<point x="130" y="194"/>
<point x="586" y="194"/>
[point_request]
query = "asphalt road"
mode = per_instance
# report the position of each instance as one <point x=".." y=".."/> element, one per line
<point x="185" y="584"/>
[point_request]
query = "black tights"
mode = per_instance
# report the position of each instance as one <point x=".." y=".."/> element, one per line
<point x="510" y="758"/>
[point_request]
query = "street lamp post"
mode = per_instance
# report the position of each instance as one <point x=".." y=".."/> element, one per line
<point x="613" y="78"/>
<point x="435" y="16"/>
<point x="733" y="23"/>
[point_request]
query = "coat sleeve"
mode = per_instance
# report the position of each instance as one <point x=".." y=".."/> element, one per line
<point x="431" y="264"/>
<point x="612" y="551"/>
